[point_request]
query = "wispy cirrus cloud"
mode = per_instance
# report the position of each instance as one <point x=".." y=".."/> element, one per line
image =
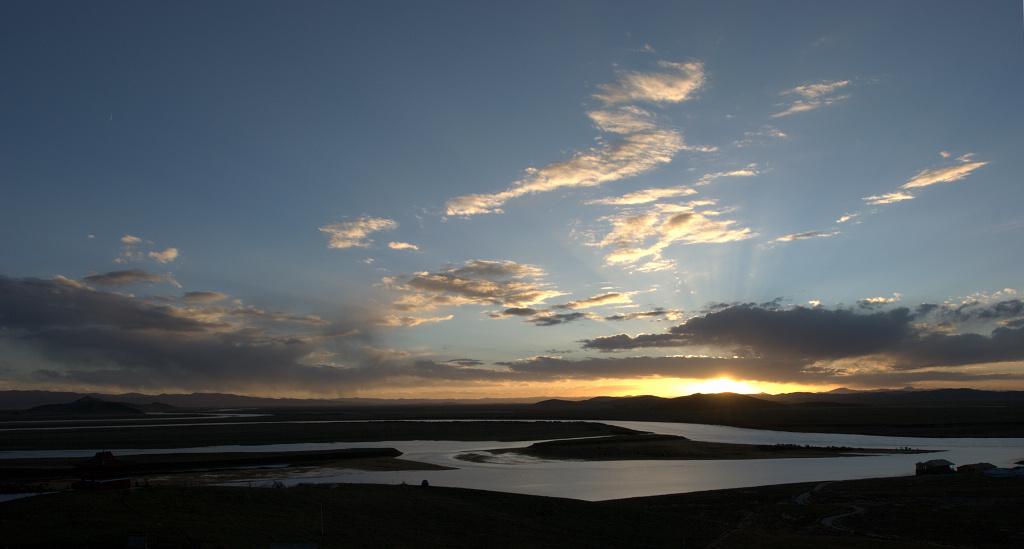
<point x="928" y="177"/>
<point x="642" y="235"/>
<point x="942" y="175"/>
<point x="657" y="313"/>
<point x="750" y="171"/>
<point x="644" y="196"/>
<point x="644" y="143"/>
<point x="812" y="96"/>
<point x="409" y="321"/>
<point x="678" y="82"/>
<point x="764" y="136"/>
<point x="805" y="235"/>
<point x="402" y="246"/>
<point x="355" y="234"/>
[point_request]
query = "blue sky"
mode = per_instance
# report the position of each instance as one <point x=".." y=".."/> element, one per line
<point x="422" y="200"/>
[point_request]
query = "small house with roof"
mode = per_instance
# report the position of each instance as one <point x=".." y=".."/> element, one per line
<point x="934" y="467"/>
<point x="975" y="468"/>
<point x="103" y="472"/>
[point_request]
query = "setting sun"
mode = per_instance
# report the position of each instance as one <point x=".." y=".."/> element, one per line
<point x="720" y="385"/>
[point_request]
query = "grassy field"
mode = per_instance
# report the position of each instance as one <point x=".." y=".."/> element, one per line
<point x="904" y="512"/>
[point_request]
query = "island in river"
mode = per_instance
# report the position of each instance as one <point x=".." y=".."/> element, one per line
<point x="645" y="446"/>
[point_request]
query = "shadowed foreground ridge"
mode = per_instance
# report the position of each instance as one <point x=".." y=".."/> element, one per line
<point x="956" y="510"/>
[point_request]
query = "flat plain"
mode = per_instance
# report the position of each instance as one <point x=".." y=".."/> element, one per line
<point x="176" y="507"/>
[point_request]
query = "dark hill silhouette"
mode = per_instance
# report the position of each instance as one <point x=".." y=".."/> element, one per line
<point x="722" y="400"/>
<point x="88" y="406"/>
<point x="648" y="403"/>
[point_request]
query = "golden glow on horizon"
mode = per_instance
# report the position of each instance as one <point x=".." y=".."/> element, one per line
<point x="721" y="385"/>
<point x="667" y="387"/>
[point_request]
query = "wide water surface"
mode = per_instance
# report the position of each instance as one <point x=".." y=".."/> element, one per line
<point x="600" y="480"/>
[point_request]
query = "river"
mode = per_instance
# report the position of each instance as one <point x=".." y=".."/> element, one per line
<point x="600" y="480"/>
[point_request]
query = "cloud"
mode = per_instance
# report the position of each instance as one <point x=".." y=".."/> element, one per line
<point x="750" y="171"/>
<point x="546" y="368"/>
<point x="203" y="297"/>
<point x="553" y="319"/>
<point x="608" y="298"/>
<point x="833" y="338"/>
<point x="402" y="246"/>
<point x="645" y="144"/>
<point x="395" y="320"/>
<point x="551" y="315"/>
<point x="516" y="311"/>
<point x="166" y="256"/>
<point x="129" y="252"/>
<point x="762" y="137"/>
<point x="678" y="83"/>
<point x="68" y="334"/>
<point x="352" y="234"/>
<point x="636" y="236"/>
<point x="645" y="196"/>
<point x="888" y="198"/>
<point x="806" y="235"/>
<point x="629" y="156"/>
<point x="799" y="333"/>
<point x="812" y="96"/>
<point x="874" y="302"/>
<point x="926" y="178"/>
<point x="975" y="309"/>
<point x="942" y="175"/>
<point x="658" y="312"/>
<point x="130" y="276"/>
<point x="478" y="282"/>
<point x="71" y="335"/>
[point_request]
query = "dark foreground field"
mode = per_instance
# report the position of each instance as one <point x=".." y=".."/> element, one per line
<point x="905" y="512"/>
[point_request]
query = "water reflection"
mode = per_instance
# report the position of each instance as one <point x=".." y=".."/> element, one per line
<point x="599" y="480"/>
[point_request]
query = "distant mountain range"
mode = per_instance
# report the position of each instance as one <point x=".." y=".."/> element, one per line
<point x="907" y="395"/>
<point x="89" y="406"/>
<point x="97" y="403"/>
<point x="23" y="400"/>
<point x="657" y="404"/>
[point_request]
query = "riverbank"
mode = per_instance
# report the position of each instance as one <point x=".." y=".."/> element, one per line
<point x="650" y="446"/>
<point x="282" y="429"/>
<point x="958" y="510"/>
<point x="54" y="474"/>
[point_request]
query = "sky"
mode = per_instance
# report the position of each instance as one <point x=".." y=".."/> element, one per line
<point x="510" y="200"/>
